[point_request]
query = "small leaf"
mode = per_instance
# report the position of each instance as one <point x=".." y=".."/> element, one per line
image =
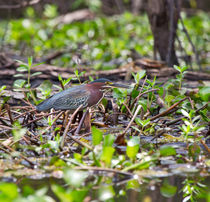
<point x="19" y="83"/>
<point x="167" y="151"/>
<point x="97" y="136"/>
<point x="185" y="113"/>
<point x="30" y="61"/>
<point x="132" y="147"/>
<point x="205" y="93"/>
<point x="18" y="75"/>
<point x="22" y="69"/>
<point x="108" y="140"/>
<point x="177" y="68"/>
<point x="107" y="154"/>
<point x="75" y="177"/>
<point x="36" y="74"/>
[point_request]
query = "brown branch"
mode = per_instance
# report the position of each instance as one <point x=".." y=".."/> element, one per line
<point x="104" y="169"/>
<point x="23" y="4"/>
<point x="168" y="110"/>
<point x="180" y="118"/>
<point x="22" y="156"/>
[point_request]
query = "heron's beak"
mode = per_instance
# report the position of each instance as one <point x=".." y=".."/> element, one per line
<point x="118" y="85"/>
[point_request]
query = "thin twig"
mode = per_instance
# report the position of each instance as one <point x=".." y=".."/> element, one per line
<point x="180" y="118"/>
<point x="131" y="121"/>
<point x="22" y="156"/>
<point x="9" y="113"/>
<point x="104" y="169"/>
<point x="54" y="120"/>
<point x="45" y="115"/>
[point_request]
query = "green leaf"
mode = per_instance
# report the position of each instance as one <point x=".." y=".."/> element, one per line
<point x="30" y="61"/>
<point x="75" y="177"/>
<point x="36" y="74"/>
<point x="18" y="75"/>
<point x="19" y="83"/>
<point x="185" y="113"/>
<point x="108" y="140"/>
<point x="167" y="151"/>
<point x="8" y="191"/>
<point x="106" y="193"/>
<point x="22" y="69"/>
<point x="97" y="136"/>
<point x="107" y="154"/>
<point x="177" y="68"/>
<point x="169" y="98"/>
<point x="204" y="93"/>
<point x="184" y="68"/>
<point x="132" y="147"/>
<point x="168" y="190"/>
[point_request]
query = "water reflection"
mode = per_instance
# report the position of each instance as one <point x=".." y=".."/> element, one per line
<point x="167" y="189"/>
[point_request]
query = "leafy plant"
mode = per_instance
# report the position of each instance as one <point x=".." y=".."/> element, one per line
<point x="180" y="76"/>
<point x="20" y="83"/>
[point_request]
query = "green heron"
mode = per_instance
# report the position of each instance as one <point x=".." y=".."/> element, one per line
<point x="86" y="95"/>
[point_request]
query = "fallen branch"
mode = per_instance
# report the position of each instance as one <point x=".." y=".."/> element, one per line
<point x="168" y="110"/>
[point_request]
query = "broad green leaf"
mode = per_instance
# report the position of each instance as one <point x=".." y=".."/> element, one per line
<point x="107" y="154"/>
<point x="168" y="190"/>
<point x="177" y="68"/>
<point x="132" y="147"/>
<point x="8" y="191"/>
<point x="108" y="140"/>
<point x="75" y="177"/>
<point x="167" y="151"/>
<point x="19" y="83"/>
<point x="205" y="93"/>
<point x="97" y="135"/>
<point x="106" y="193"/>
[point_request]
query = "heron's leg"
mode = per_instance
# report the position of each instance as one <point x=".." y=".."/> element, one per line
<point x="86" y="114"/>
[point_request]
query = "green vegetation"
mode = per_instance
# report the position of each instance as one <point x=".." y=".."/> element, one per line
<point x="102" y="43"/>
<point x="151" y="132"/>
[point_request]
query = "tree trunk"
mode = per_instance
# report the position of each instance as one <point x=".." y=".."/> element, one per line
<point x="163" y="17"/>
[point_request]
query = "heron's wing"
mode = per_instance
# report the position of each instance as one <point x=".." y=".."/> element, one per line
<point x="71" y="99"/>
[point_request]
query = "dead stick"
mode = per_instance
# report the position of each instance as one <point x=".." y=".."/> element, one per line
<point x="45" y="115"/>
<point x="180" y="118"/>
<point x="22" y="156"/>
<point x="168" y="110"/>
<point x="104" y="169"/>
<point x="203" y="143"/>
<point x="81" y="143"/>
<point x="129" y="111"/>
<point x="134" y="116"/>
<point x="9" y="113"/>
